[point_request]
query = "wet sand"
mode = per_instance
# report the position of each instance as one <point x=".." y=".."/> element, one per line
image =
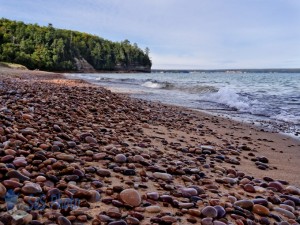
<point x="176" y="164"/>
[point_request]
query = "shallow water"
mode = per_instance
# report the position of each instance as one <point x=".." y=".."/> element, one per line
<point x="268" y="99"/>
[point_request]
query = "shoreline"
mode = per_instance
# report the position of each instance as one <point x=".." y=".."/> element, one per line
<point x="107" y="143"/>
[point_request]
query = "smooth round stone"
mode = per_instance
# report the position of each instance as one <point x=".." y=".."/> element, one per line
<point x="65" y="157"/>
<point x="56" y="128"/>
<point x="31" y="188"/>
<point x="132" y="221"/>
<point x="61" y="220"/>
<point x="244" y="181"/>
<point x="129" y="172"/>
<point x="104" y="218"/>
<point x="188" y="192"/>
<point x="153" y="209"/>
<point x="71" y="144"/>
<point x="100" y="155"/>
<point x="163" y="176"/>
<point x="169" y="219"/>
<point x="260" y="210"/>
<point x="166" y="198"/>
<point x="207" y="221"/>
<point x="95" y="196"/>
<point x="27" y="117"/>
<point x="153" y="195"/>
<point x="260" y="201"/>
<point x="287" y="207"/>
<point x="220" y="211"/>
<point x="249" y="188"/>
<point x="216" y="222"/>
<point x="119" y="222"/>
<point x="293" y="190"/>
<point x="131" y="197"/>
<point x="41" y="179"/>
<point x="120" y="158"/>
<point x="194" y="212"/>
<point x="285" y="213"/>
<point x="2" y="191"/>
<point x="20" y="162"/>
<point x="7" y="158"/>
<point x="11" y="184"/>
<point x="103" y="173"/>
<point x="21" y="217"/>
<point x="90" y="140"/>
<point x="209" y="211"/>
<point x="229" y="180"/>
<point x="278" y="186"/>
<point x="185" y="205"/>
<point x="114" y="213"/>
<point x="245" y="204"/>
<point x="138" y="158"/>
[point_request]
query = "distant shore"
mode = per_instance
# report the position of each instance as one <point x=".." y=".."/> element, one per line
<point x="170" y="159"/>
<point x="278" y="70"/>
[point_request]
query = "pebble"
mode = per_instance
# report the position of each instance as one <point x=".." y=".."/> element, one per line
<point x="245" y="204"/>
<point x="95" y="196"/>
<point x="103" y="173"/>
<point x="20" y="217"/>
<point x="163" y="176"/>
<point x="132" y="221"/>
<point x="194" y="212"/>
<point x="18" y="175"/>
<point x="131" y="197"/>
<point x="114" y="213"/>
<point x="285" y="213"/>
<point x="188" y="192"/>
<point x="61" y="220"/>
<point x="220" y="211"/>
<point x="216" y="222"/>
<point x="31" y="188"/>
<point x="40" y="179"/>
<point x="249" y="188"/>
<point x="260" y="210"/>
<point x="119" y="222"/>
<point x="20" y="162"/>
<point x="153" y="209"/>
<point x="153" y="195"/>
<point x="2" y="191"/>
<point x="120" y="158"/>
<point x="90" y="140"/>
<point x="168" y="219"/>
<point x="11" y="184"/>
<point x="209" y="211"/>
<point x="207" y="221"/>
<point x="65" y="157"/>
<point x="293" y="190"/>
<point x="278" y="186"/>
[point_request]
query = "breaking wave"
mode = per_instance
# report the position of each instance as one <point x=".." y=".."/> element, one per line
<point x="230" y="98"/>
<point x="193" y="89"/>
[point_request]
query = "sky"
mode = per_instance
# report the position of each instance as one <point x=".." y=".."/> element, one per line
<point x="181" y="34"/>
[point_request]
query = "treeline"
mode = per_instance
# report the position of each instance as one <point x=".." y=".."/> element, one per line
<point x="48" y="48"/>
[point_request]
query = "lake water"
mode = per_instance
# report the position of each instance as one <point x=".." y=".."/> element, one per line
<point x="271" y="100"/>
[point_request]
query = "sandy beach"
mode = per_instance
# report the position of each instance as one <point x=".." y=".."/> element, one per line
<point x="130" y="161"/>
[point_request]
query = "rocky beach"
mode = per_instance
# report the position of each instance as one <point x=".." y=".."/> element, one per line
<point x="76" y="153"/>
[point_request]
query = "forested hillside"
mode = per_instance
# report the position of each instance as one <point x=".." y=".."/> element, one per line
<point x="51" y="49"/>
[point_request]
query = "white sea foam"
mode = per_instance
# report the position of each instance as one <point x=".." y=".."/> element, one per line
<point x="286" y="117"/>
<point x="155" y="85"/>
<point x="228" y="97"/>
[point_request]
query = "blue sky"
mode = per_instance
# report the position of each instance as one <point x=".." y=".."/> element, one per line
<point x="191" y="34"/>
